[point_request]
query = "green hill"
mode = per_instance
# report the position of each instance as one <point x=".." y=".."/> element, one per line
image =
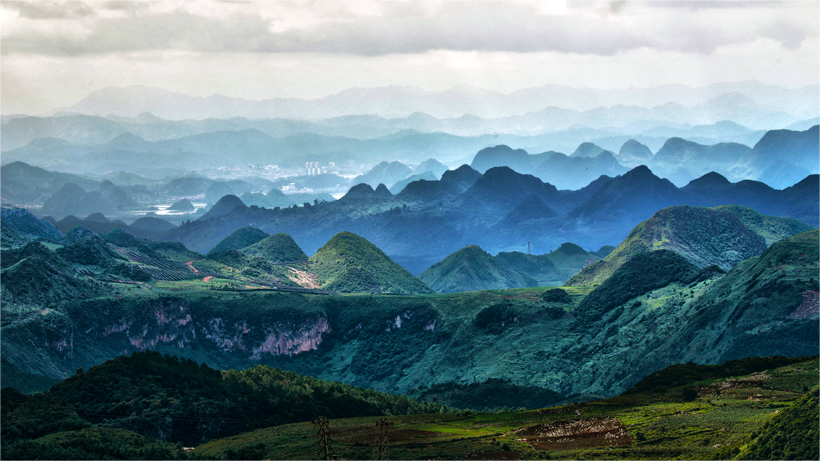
<point x="721" y="236"/>
<point x="473" y="269"/>
<point x="76" y="234"/>
<point x="28" y="225"/>
<point x="348" y="263"/>
<point x="657" y="310"/>
<point x="555" y="267"/>
<point x="90" y="251"/>
<point x="774" y="286"/>
<point x="792" y="434"/>
<point x="179" y="400"/>
<point x="639" y="275"/>
<point x="10" y="238"/>
<point x="771" y="228"/>
<point x="34" y="274"/>
<point x="279" y="248"/>
<point x="238" y="239"/>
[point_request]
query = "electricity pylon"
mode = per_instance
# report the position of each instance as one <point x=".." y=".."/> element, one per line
<point x="380" y="452"/>
<point x="325" y="438"/>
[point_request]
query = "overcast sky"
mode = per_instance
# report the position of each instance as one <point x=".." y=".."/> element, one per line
<point x="54" y="53"/>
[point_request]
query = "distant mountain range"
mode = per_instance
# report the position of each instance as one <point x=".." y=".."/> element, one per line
<point x="508" y="207"/>
<point x="779" y="157"/>
<point x="748" y="100"/>
<point x="500" y="210"/>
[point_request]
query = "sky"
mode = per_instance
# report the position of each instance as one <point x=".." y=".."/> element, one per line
<point x="53" y="53"/>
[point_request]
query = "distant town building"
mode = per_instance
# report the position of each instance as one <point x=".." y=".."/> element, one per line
<point x="312" y="168"/>
<point x="289" y="187"/>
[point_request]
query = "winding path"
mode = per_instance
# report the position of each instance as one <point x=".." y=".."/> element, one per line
<point x="191" y="265"/>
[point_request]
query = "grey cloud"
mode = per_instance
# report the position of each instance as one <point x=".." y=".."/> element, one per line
<point x="617" y="6"/>
<point x="125" y="5"/>
<point x="724" y="4"/>
<point x="50" y="9"/>
<point x="181" y="31"/>
<point x="403" y="28"/>
<point x="403" y="31"/>
<point x="482" y="30"/>
<point x="789" y="35"/>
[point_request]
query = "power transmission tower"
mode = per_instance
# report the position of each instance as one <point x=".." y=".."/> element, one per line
<point x="528" y="248"/>
<point x="380" y="452"/>
<point x="325" y="439"/>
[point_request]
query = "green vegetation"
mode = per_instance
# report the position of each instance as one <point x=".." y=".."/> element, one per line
<point x="238" y="239"/>
<point x="717" y="423"/>
<point x="639" y="275"/>
<point x="792" y="434"/>
<point x="657" y="310"/>
<point x="473" y="269"/>
<point x="721" y="236"/>
<point x="708" y="412"/>
<point x="556" y="295"/>
<point x="679" y="375"/>
<point x="771" y="228"/>
<point x="178" y="400"/>
<point x="348" y="263"/>
<point x="492" y="394"/>
<point x="10" y="238"/>
<point x="93" y="443"/>
<point x="277" y="248"/>
<point x="22" y="381"/>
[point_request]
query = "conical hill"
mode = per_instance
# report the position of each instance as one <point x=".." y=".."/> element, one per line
<point x="279" y="248"/>
<point x="240" y="238"/>
<point x="473" y="269"/>
<point x="348" y="263"/>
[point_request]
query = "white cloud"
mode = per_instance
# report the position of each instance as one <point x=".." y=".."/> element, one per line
<point x="373" y="28"/>
<point x="56" y="53"/>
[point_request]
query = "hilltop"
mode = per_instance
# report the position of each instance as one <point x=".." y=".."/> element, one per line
<point x="555" y="267"/>
<point x="279" y="248"/>
<point x="349" y="263"/>
<point x="721" y="236"/>
<point x="472" y="269"/>
<point x="28" y="226"/>
<point x="240" y="238"/>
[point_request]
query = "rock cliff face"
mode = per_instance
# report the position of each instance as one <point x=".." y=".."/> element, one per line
<point x="78" y="335"/>
<point x="809" y="308"/>
<point x="286" y="340"/>
<point x="170" y="321"/>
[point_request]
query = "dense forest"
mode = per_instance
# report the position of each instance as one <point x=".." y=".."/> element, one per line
<point x="177" y="400"/>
